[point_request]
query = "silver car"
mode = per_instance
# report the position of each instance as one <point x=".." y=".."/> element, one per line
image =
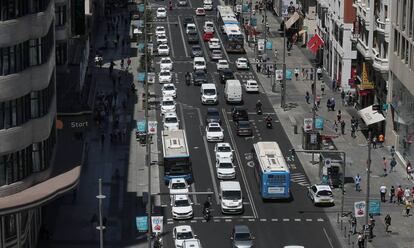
<point x="216" y="54"/>
<point x="241" y="237"/>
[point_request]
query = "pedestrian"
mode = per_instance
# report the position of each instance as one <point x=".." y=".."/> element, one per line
<point x="335" y="126"/>
<point x="323" y="88"/>
<point x="311" y="74"/>
<point x="302" y="74"/>
<point x="333" y="85"/>
<point x="400" y="194"/>
<point x="128" y="62"/>
<point x="361" y="241"/>
<point x="296" y="71"/>
<point x="343" y="96"/>
<point x="343" y="127"/>
<point x="306" y="74"/>
<point x="307" y="97"/>
<point x="374" y="142"/>
<point x="392" y="151"/>
<point x="392" y="194"/>
<point x="409" y="171"/>
<point x="353" y="130"/>
<point x="412" y="193"/>
<point x="407" y="208"/>
<point x="333" y="104"/>
<point x="383" y="192"/>
<point x="353" y="225"/>
<point x="381" y="140"/>
<point x="102" y="139"/>
<point x="384" y="165"/>
<point x="318" y="102"/>
<point x="339" y="115"/>
<point x="371" y="225"/>
<point x="319" y="73"/>
<point x="358" y="180"/>
<point x="393" y="163"/>
<point x="387" y="223"/>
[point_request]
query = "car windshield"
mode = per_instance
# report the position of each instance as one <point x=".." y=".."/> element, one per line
<point x="242" y="61"/>
<point x="242" y="236"/>
<point x="212" y="113"/>
<point x="225" y="165"/>
<point x="228" y="73"/>
<point x="165" y="73"/>
<point x="244" y="124"/>
<point x="217" y="52"/>
<point x="324" y="193"/>
<point x="163" y="47"/>
<point x="178" y="186"/>
<point x="181" y="203"/>
<point x="196" y="49"/>
<point x="165" y="61"/>
<point x="209" y="92"/>
<point x="214" y="129"/>
<point x="171" y="120"/>
<point x="199" y="62"/>
<point x="168" y="103"/>
<point x="222" y="63"/>
<point x="252" y="84"/>
<point x="185" y="235"/>
<point x="161" y="36"/>
<point x="233" y="195"/>
<point x="161" y="10"/>
<point x="191" y="28"/>
<point x="169" y="88"/>
<point x="224" y="149"/>
<point x="200" y="73"/>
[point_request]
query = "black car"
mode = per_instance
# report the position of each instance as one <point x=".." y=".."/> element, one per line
<point x="187" y="20"/>
<point x="239" y="114"/>
<point x="243" y="128"/>
<point x="199" y="77"/>
<point x="213" y="115"/>
<point x="193" y="38"/>
<point x="225" y="74"/>
<point x="196" y="51"/>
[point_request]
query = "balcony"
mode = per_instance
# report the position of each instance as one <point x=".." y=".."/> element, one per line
<point x="383" y="27"/>
<point x="380" y="64"/>
<point x="363" y="49"/>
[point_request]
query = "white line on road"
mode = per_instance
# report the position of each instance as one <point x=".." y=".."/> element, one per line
<point x="308" y="220"/>
<point x="274" y="220"/>
<point x="239" y="161"/>
<point x="221" y="42"/>
<point x="286" y="220"/>
<point x="297" y="220"/>
<point x="210" y="164"/>
<point x="182" y="36"/>
<point x="320" y="219"/>
<point x="327" y="237"/>
<point x="170" y="38"/>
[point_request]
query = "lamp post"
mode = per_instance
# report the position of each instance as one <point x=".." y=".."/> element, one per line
<point x="101" y="227"/>
<point x="368" y="183"/>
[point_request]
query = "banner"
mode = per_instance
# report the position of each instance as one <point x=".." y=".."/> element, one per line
<point x="152" y="127"/>
<point x="157" y="224"/>
<point x="359" y="208"/>
<point x="142" y="223"/>
<point x="315" y="43"/>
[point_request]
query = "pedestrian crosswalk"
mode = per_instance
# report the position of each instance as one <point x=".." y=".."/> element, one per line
<point x="218" y="219"/>
<point x="300" y="178"/>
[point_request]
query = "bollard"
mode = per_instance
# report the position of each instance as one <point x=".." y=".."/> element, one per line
<point x="337" y="218"/>
<point x="353" y="243"/>
<point x="349" y="238"/>
<point x="341" y="224"/>
<point x="344" y="231"/>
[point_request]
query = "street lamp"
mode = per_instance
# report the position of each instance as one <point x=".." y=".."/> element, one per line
<point x="101" y="227"/>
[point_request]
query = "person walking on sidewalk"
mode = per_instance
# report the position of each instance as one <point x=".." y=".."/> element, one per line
<point x="361" y="240"/>
<point x="307" y="97"/>
<point x="407" y="208"/>
<point x="392" y="194"/>
<point x="383" y="192"/>
<point x="393" y="163"/>
<point x="358" y="183"/>
<point x="353" y="225"/>
<point x="381" y="140"/>
<point x="335" y="126"/>
<point x="392" y="151"/>
<point x="296" y="71"/>
<point x="319" y="73"/>
<point x="387" y="223"/>
<point x="400" y="194"/>
<point x="374" y="142"/>
<point x="343" y="127"/>
<point x="409" y="171"/>
<point x="371" y="225"/>
<point x="322" y="87"/>
<point x="334" y="85"/>
<point x="384" y="165"/>
<point x="343" y="97"/>
<point x="339" y="115"/>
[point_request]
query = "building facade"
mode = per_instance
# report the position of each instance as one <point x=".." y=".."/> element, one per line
<point x="335" y="21"/>
<point x="27" y="111"/>
<point x="400" y="118"/>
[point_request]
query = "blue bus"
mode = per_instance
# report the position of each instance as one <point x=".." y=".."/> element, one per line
<point x="233" y="39"/>
<point x="271" y="171"/>
<point x="176" y="156"/>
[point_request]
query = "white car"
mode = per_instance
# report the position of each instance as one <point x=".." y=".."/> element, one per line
<point x="199" y="63"/>
<point x="182" y="233"/>
<point x="160" y="30"/>
<point x="214" y="43"/>
<point x="251" y="86"/>
<point x="171" y="122"/>
<point x="214" y="132"/>
<point x="321" y="194"/>
<point x="165" y="77"/>
<point x="225" y="169"/>
<point x="208" y="27"/>
<point x="169" y="90"/>
<point x="192" y="243"/>
<point x="167" y="105"/>
<point x="162" y="39"/>
<point x="166" y="64"/>
<point x="161" y="12"/>
<point x="191" y="28"/>
<point x="181" y="207"/>
<point x="223" y="150"/>
<point x="178" y="186"/>
<point x="222" y="64"/>
<point x="242" y="63"/>
<point x="163" y="49"/>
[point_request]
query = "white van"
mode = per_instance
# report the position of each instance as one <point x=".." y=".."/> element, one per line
<point x="208" y="94"/>
<point x="233" y="91"/>
<point x="208" y="4"/>
<point x="231" y="198"/>
<point x="199" y="63"/>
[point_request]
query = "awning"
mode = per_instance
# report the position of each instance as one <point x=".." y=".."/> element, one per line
<point x="370" y="116"/>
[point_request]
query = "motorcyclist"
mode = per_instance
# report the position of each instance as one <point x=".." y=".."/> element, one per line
<point x="258" y="105"/>
<point x="187" y="78"/>
<point x="207" y="204"/>
<point x="268" y="119"/>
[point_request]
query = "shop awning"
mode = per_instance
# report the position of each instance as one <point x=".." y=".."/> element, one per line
<point x="370" y="116"/>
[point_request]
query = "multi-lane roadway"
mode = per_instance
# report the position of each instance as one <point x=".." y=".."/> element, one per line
<point x="273" y="223"/>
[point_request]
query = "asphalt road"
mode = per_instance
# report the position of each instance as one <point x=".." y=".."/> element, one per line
<point x="277" y="223"/>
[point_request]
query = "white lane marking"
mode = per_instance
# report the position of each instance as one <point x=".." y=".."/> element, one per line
<point x="327" y="237"/>
<point x="216" y="220"/>
<point x="193" y="188"/>
<point x="170" y="222"/>
<point x="252" y="220"/>
<point x="274" y="220"/>
<point x="221" y="42"/>
<point x="170" y="38"/>
<point x="210" y="164"/>
<point x="308" y="220"/>
<point x="320" y="219"/>
<point x="182" y="36"/>
<point x="206" y="56"/>
<point x="263" y="219"/>
<point x="244" y="177"/>
<point x="297" y="220"/>
<point x="286" y="220"/>
<point x="227" y="220"/>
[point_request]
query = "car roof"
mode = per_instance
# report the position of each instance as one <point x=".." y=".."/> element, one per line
<point x="242" y="58"/>
<point x="230" y="185"/>
<point x="165" y="58"/>
<point x="167" y="98"/>
<point x="178" y="180"/>
<point x="160" y="8"/>
<point x="209" y="110"/>
<point x="181" y="197"/>
<point x="208" y="86"/>
<point x="222" y="60"/>
<point x="165" y="85"/>
<point x="251" y="81"/>
<point x="241" y="229"/>
<point x="170" y="114"/>
<point x="244" y="122"/>
<point x="213" y="124"/>
<point x="214" y="39"/>
<point x="225" y="144"/>
<point x="224" y="160"/>
<point x="183" y="228"/>
<point x="191" y="25"/>
<point x="199" y="59"/>
<point x="196" y="46"/>
<point x="322" y="187"/>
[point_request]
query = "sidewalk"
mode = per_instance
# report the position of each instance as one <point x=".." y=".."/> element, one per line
<point x="356" y="149"/>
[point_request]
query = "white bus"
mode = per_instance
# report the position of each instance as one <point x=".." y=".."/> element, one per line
<point x="176" y="156"/>
<point x="233" y="39"/>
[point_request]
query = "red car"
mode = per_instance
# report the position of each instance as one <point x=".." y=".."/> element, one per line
<point x="207" y="36"/>
<point x="200" y="12"/>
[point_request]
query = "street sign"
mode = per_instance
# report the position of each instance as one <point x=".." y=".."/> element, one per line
<point x="359" y="208"/>
<point x="375" y="207"/>
<point x="142" y="223"/>
<point x="269" y="45"/>
<point x="307" y="124"/>
<point x="319" y="123"/>
<point x="260" y="45"/>
<point x="239" y="8"/>
<point x="279" y="75"/>
<point x="157" y="224"/>
<point x="327" y="162"/>
<point x="152" y="127"/>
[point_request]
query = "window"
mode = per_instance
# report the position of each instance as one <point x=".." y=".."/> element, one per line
<point x="60" y="15"/>
<point x="61" y="53"/>
<point x="11" y="9"/>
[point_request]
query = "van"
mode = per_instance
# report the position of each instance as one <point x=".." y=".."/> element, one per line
<point x="208" y="94"/>
<point x="208" y="4"/>
<point x="199" y="63"/>
<point x="208" y="27"/>
<point x="233" y="91"/>
<point x="231" y="198"/>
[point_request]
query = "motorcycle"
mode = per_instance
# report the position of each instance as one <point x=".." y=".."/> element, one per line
<point x="206" y="214"/>
<point x="269" y="124"/>
<point x="188" y="80"/>
<point x="259" y="110"/>
<point x="158" y="242"/>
